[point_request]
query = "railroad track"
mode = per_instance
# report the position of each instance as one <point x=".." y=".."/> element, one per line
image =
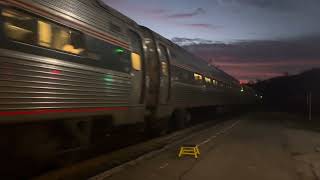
<point x="119" y="159"/>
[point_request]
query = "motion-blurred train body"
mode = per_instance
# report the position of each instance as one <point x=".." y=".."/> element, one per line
<point x="84" y="67"/>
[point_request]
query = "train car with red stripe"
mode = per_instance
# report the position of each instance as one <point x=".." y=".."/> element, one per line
<point x="73" y="71"/>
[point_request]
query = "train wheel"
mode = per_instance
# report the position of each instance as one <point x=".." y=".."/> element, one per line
<point x="158" y="127"/>
<point x="79" y="132"/>
<point x="181" y="119"/>
<point x="188" y="118"/>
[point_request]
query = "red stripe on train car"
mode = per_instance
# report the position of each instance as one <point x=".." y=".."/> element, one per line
<point x="49" y="111"/>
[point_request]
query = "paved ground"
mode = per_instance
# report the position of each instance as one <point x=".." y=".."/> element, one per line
<point x="250" y="148"/>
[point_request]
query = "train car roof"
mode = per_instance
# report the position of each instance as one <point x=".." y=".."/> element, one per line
<point x="194" y="62"/>
<point x="116" y="13"/>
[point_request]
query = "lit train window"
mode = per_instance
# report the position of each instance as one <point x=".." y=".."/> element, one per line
<point x="25" y="28"/>
<point x="215" y="82"/>
<point x="208" y="80"/>
<point x="61" y="38"/>
<point x="164" y="67"/>
<point x="136" y="45"/>
<point x="197" y="77"/>
<point x="45" y="37"/>
<point x="136" y="61"/>
<point x="19" y="26"/>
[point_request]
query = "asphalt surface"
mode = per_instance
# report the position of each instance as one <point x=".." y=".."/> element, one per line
<point x="249" y="148"/>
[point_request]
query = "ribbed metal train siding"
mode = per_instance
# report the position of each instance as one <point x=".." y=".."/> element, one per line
<point x="26" y="84"/>
<point x="187" y="95"/>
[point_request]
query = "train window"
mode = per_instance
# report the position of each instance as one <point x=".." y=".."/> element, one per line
<point x="45" y="34"/>
<point x="136" y="45"/>
<point x="164" y="67"/>
<point x="25" y="28"/>
<point x="60" y="38"/>
<point x="136" y="61"/>
<point x="197" y="77"/>
<point x="179" y="74"/>
<point x="163" y="58"/>
<point x="162" y="52"/>
<point x="214" y="82"/>
<point x="182" y="75"/>
<point x="109" y="56"/>
<point x="19" y="26"/>
<point x="208" y="80"/>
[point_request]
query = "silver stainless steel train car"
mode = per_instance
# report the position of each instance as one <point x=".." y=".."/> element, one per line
<point x="80" y="67"/>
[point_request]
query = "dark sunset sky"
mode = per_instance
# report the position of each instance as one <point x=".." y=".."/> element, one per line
<point x="250" y="39"/>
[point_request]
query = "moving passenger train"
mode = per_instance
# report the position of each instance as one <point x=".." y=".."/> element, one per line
<point x="72" y="71"/>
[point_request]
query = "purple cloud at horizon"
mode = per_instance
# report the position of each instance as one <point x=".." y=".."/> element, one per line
<point x="251" y="60"/>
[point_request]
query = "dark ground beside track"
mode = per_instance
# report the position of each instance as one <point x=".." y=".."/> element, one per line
<point x="260" y="146"/>
<point x="107" y="159"/>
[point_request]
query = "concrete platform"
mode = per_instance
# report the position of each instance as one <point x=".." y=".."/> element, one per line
<point x="253" y="147"/>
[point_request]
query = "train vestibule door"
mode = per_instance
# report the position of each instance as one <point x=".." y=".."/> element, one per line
<point x="137" y="68"/>
<point x="164" y="74"/>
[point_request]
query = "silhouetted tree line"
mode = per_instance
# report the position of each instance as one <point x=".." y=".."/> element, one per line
<point x="289" y="93"/>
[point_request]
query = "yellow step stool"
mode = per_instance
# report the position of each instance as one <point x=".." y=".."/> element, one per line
<point x="192" y="150"/>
